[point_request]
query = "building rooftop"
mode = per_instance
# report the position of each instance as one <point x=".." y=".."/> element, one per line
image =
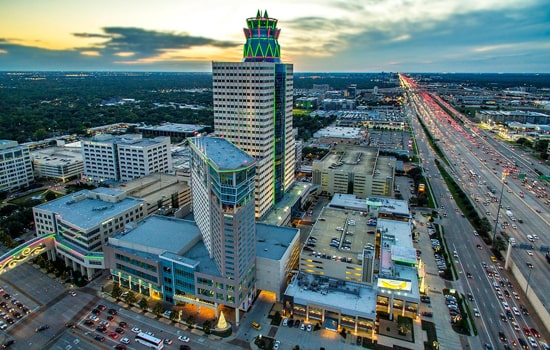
<point x="350" y="298"/>
<point x="175" y="127"/>
<point x="158" y="234"/>
<point x="276" y="215"/>
<point x="200" y="254"/>
<point x="57" y="156"/>
<point x="353" y="229"/>
<point x="128" y="140"/>
<point x="355" y="159"/>
<point x="224" y="154"/>
<point x="8" y="144"/>
<point x="339" y="132"/>
<point x="153" y="186"/>
<point x="83" y="210"/>
<point x="273" y="241"/>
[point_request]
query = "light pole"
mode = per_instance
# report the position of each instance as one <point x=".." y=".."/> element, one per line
<point x="530" y="266"/>
<point x="498" y="209"/>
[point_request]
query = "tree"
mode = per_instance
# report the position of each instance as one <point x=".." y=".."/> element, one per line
<point x="117" y="291"/>
<point x="143" y="304"/>
<point x="50" y="196"/>
<point x="130" y="298"/>
<point x="174" y="315"/>
<point x="158" y="308"/>
<point x="404" y="325"/>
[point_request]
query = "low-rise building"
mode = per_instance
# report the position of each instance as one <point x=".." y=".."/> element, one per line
<point x="60" y="163"/>
<point x="354" y="170"/>
<point x="82" y="223"/>
<point x="166" y="258"/>
<point x="358" y="261"/>
<point x="163" y="194"/>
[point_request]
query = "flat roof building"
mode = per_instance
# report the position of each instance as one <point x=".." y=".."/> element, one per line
<point x="83" y="221"/>
<point x="356" y="170"/>
<point x="61" y="163"/>
<point x="163" y="193"/>
<point x="124" y="158"/>
<point x="172" y="130"/>
<point x="357" y="261"/>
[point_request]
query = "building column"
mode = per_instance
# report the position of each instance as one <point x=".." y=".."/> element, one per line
<point x="307" y="313"/>
<point x="390" y="306"/>
<point x="75" y="266"/>
<point x="82" y="270"/>
<point x="216" y="311"/>
<point x="237" y="316"/>
<point x="90" y="273"/>
<point x="403" y="308"/>
<point x="356" y="323"/>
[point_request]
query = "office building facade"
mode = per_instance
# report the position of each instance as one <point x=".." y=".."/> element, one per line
<point x="253" y="109"/>
<point x="222" y="183"/>
<point x="83" y="222"/>
<point x="15" y="166"/>
<point x="124" y="158"/>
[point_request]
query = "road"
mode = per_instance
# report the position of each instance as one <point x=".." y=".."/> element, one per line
<point x="466" y="152"/>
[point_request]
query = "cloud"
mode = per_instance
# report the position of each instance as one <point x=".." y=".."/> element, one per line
<point x="142" y="43"/>
<point x="90" y="35"/>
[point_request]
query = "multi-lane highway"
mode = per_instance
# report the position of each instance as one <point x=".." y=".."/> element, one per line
<point x="477" y="162"/>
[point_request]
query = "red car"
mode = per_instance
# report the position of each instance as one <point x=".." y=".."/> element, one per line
<point x="535" y="332"/>
<point x="526" y="331"/>
<point x="113" y="335"/>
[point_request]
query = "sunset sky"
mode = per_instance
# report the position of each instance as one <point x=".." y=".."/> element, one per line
<point x="316" y="35"/>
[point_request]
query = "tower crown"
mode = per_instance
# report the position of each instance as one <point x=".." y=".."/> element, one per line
<point x="261" y="39"/>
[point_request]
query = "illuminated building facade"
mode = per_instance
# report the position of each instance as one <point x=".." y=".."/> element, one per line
<point x="358" y="261"/>
<point x="222" y="182"/>
<point x="82" y="223"/>
<point x="253" y="109"/>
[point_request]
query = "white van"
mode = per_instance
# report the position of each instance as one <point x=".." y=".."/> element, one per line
<point x="530" y="238"/>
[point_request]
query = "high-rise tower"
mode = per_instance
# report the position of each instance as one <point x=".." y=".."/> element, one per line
<point x="253" y="109"/>
<point x="222" y="178"/>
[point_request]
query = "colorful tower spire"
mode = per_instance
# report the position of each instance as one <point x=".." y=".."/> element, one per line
<point x="261" y="39"/>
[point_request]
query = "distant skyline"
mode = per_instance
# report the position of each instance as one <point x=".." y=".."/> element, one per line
<point x="316" y="35"/>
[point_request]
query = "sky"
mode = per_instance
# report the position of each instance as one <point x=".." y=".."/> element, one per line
<point x="316" y="35"/>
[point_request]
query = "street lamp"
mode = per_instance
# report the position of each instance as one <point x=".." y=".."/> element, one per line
<point x="530" y="266"/>
<point x="498" y="209"/>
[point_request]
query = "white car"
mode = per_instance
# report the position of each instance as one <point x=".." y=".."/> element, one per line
<point x="136" y="330"/>
<point x="285" y="322"/>
<point x="73" y="293"/>
<point x="309" y="327"/>
<point x="277" y="345"/>
<point x="516" y="311"/>
<point x="184" y="339"/>
<point x="533" y="342"/>
<point x="125" y="341"/>
<point x="94" y="318"/>
<point x="476" y="312"/>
